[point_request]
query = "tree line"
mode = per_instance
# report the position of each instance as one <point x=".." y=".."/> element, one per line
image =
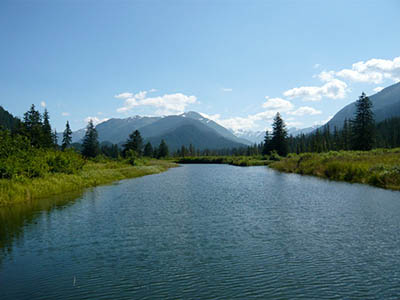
<point x="358" y="133"/>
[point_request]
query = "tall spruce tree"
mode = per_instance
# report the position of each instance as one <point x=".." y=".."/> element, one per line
<point x="148" y="150"/>
<point x="363" y="125"/>
<point x="33" y="127"/>
<point x="47" y="134"/>
<point x="134" y="142"/>
<point x="163" y="150"/>
<point x="279" y="136"/>
<point x="90" y="145"/>
<point x="267" y="144"/>
<point x="67" y="137"/>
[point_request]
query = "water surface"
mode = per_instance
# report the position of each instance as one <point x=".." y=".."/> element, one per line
<point x="206" y="232"/>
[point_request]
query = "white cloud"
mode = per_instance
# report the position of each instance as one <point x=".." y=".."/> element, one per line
<point x="166" y="104"/>
<point x="333" y="88"/>
<point x="123" y="96"/>
<point x="305" y="110"/>
<point x="65" y="114"/>
<point x="378" y="89"/>
<point x="226" y="89"/>
<point x="373" y="71"/>
<point x="277" y="104"/>
<point x="43" y="104"/>
<point x="95" y="120"/>
<point x="316" y="66"/>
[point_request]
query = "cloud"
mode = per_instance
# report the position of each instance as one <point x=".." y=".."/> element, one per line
<point x="95" y="120"/>
<point x="333" y="88"/>
<point x="277" y="104"/>
<point x="166" y="104"/>
<point x="226" y="89"/>
<point x="305" y="110"/>
<point x="316" y="66"/>
<point x="372" y="71"/>
<point x="123" y="96"/>
<point x="378" y="89"/>
<point x="65" y="114"/>
<point x="43" y="104"/>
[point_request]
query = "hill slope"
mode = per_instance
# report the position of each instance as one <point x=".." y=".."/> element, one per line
<point x="7" y="120"/>
<point x="386" y="104"/>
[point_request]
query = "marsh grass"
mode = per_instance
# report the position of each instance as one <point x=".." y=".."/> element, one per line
<point x="379" y="167"/>
<point x="92" y="174"/>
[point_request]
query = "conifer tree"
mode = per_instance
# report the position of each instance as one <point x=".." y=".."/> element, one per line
<point x="134" y="142"/>
<point x="33" y="126"/>
<point x="148" y="150"/>
<point x="363" y="125"/>
<point x="163" y="150"/>
<point x="90" y="145"/>
<point x="267" y="144"/>
<point x="279" y="136"/>
<point x="67" y="137"/>
<point x="47" y="135"/>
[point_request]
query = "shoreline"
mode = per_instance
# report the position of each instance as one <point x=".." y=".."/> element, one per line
<point x="93" y="174"/>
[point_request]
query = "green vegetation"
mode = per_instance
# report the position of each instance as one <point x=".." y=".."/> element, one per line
<point x="379" y="167"/>
<point x="92" y="174"/>
<point x="32" y="166"/>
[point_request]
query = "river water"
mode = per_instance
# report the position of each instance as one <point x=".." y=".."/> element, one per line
<point x="205" y="232"/>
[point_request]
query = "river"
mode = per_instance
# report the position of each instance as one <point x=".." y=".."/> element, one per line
<point x="206" y="232"/>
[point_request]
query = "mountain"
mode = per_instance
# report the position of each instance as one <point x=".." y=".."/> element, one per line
<point x="177" y="130"/>
<point x="118" y="130"/>
<point x="7" y="120"/>
<point x="255" y="137"/>
<point x="184" y="130"/>
<point x="297" y="131"/>
<point x="218" y="128"/>
<point x="386" y="104"/>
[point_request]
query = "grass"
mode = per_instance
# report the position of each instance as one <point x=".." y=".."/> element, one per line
<point x="379" y="167"/>
<point x="242" y="161"/>
<point x="93" y="174"/>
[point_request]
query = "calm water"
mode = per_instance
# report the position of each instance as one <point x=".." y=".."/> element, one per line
<point x="206" y="232"/>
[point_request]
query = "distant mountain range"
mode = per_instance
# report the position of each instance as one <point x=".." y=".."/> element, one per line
<point x="386" y="104"/>
<point x="177" y="130"/>
<point x="203" y="133"/>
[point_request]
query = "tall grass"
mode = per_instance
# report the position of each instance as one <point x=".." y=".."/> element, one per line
<point x="379" y="167"/>
<point x="92" y="174"/>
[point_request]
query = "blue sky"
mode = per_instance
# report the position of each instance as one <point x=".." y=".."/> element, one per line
<point x="236" y="61"/>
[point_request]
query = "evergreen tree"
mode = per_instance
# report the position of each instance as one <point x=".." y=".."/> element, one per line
<point x="134" y="142"/>
<point x="148" y="150"/>
<point x="47" y="134"/>
<point x="267" y="144"/>
<point x="90" y="145"/>
<point x="162" y="150"/>
<point x="33" y="126"/>
<point x="67" y="137"/>
<point x="363" y="125"/>
<point x="279" y="136"/>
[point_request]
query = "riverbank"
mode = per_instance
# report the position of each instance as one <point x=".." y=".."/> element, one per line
<point x="92" y="174"/>
<point x="241" y="161"/>
<point x="379" y="167"/>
